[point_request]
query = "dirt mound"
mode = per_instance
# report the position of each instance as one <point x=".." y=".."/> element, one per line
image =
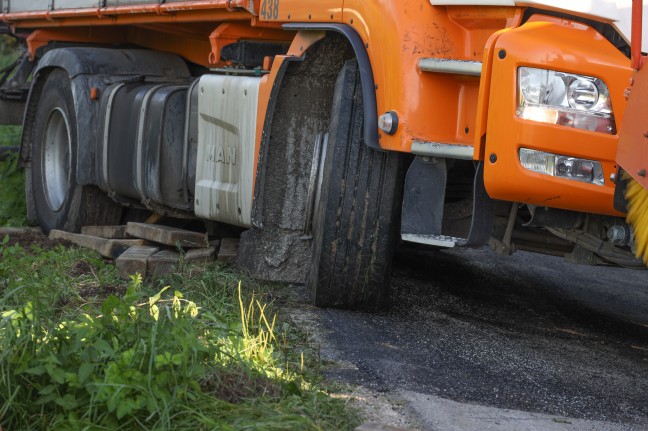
<point x="28" y="237"/>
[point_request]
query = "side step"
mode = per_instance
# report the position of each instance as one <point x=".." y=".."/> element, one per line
<point x="434" y="240"/>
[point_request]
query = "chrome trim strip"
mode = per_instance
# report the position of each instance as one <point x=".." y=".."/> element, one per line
<point x="440" y="149"/>
<point x="442" y="65"/>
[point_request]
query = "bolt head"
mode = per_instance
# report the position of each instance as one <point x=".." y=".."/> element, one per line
<point x="388" y="122"/>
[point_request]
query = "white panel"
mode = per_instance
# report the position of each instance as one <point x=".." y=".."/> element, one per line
<point x="624" y="25"/>
<point x="42" y="5"/>
<point x="227" y="107"/>
<point x="28" y="5"/>
<point x="619" y="12"/>
<point x="127" y="2"/>
<point x="604" y="9"/>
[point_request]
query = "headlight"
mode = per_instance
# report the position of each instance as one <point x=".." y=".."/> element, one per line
<point x="577" y="101"/>
<point x="557" y="165"/>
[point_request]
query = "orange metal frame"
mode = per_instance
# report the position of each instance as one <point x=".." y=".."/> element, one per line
<point x="431" y="107"/>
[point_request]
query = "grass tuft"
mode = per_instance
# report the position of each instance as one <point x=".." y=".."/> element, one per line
<point x="80" y="349"/>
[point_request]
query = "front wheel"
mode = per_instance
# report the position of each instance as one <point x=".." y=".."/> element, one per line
<point x="61" y="203"/>
<point x="356" y="221"/>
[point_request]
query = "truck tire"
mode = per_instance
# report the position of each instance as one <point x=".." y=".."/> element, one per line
<point x="356" y="219"/>
<point x="59" y="201"/>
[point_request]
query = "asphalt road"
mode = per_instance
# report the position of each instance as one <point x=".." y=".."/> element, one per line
<point x="476" y="341"/>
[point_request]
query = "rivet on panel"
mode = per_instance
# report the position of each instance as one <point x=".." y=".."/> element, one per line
<point x="309" y="16"/>
<point x="493" y="158"/>
<point x="351" y="21"/>
<point x="223" y="91"/>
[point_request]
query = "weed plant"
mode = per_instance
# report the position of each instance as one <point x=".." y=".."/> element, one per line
<point x="13" y="211"/>
<point x="82" y="350"/>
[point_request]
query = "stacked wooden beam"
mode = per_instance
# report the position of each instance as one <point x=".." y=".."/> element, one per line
<point x="150" y="249"/>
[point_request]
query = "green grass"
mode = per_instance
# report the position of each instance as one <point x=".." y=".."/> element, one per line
<point x="13" y="211"/>
<point x="12" y="199"/>
<point x="198" y="350"/>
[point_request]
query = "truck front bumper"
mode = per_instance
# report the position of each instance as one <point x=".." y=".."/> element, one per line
<point x="554" y="44"/>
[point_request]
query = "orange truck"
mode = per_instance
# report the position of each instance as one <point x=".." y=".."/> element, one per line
<point x="328" y="132"/>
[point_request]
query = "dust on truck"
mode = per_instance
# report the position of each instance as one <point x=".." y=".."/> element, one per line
<point x="329" y="131"/>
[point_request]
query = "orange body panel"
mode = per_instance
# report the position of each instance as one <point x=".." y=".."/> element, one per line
<point x="484" y="96"/>
<point x="632" y="153"/>
<point x="431" y="107"/>
<point x="106" y="35"/>
<point x="190" y="41"/>
<point x="568" y="47"/>
<point x="301" y="11"/>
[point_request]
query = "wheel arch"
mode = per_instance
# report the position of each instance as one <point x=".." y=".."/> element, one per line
<point x="366" y="74"/>
<point x="308" y="79"/>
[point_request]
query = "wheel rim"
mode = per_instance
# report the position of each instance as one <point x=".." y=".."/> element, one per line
<point x="56" y="166"/>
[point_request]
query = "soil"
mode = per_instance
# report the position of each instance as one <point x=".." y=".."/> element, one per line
<point x="28" y="237"/>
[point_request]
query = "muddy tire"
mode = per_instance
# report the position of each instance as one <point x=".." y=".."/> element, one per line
<point x="61" y="203"/>
<point x="357" y="216"/>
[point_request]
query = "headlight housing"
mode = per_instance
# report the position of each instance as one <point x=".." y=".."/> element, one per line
<point x="566" y="99"/>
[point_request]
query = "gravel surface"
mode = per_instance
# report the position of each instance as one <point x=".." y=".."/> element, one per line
<point x="525" y="333"/>
<point x="476" y="341"/>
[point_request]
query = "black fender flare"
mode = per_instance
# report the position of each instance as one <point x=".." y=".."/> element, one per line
<point x="366" y="75"/>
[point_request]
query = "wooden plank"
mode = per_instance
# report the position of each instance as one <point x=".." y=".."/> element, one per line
<point x="198" y="255"/>
<point x="228" y="250"/>
<point x="167" y="235"/>
<point x="166" y="261"/>
<point x="134" y="260"/>
<point x="109" y="248"/>
<point x="163" y="262"/>
<point x="110" y="232"/>
<point x="19" y="231"/>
